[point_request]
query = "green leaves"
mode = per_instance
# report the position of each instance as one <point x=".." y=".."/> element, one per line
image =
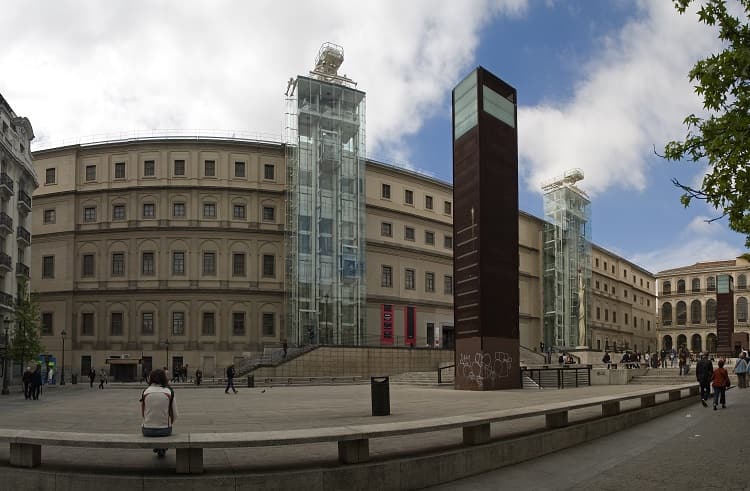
<point x="26" y="342"/>
<point x="721" y="140"/>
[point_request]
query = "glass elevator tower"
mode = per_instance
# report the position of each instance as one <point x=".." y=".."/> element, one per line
<point x="567" y="263"/>
<point x="325" y="154"/>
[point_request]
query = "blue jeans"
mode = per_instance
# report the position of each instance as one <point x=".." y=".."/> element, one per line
<point x="719" y="392"/>
<point x="157" y="432"/>
<point x="230" y="383"/>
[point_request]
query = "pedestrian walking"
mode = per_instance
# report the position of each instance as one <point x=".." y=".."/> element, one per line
<point x="230" y="379"/>
<point x="26" y="378"/>
<point x="740" y="369"/>
<point x="92" y="377"/>
<point x="158" y="408"/>
<point x="198" y="376"/>
<point x="720" y="382"/>
<point x="704" y="371"/>
<point x="285" y="347"/>
<point x="36" y="382"/>
<point x="102" y="378"/>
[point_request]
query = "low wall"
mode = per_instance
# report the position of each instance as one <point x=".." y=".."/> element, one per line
<point x="331" y="361"/>
<point x="622" y="376"/>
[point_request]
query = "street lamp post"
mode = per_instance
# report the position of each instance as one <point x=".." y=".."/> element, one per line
<point x="6" y="354"/>
<point x="62" y="368"/>
<point x="325" y="319"/>
<point x="166" y="343"/>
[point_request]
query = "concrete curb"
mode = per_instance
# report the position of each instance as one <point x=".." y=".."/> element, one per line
<point x="405" y="473"/>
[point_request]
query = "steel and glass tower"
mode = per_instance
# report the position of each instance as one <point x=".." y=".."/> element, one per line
<point x="325" y="269"/>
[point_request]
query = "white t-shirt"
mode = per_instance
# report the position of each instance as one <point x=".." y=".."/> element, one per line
<point x="155" y="407"/>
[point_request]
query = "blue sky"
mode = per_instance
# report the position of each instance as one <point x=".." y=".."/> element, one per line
<point x="600" y="84"/>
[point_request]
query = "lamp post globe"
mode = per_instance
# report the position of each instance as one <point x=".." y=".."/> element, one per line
<point x="62" y="366"/>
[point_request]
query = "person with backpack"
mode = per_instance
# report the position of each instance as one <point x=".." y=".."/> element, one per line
<point x="740" y="369"/>
<point x="158" y="408"/>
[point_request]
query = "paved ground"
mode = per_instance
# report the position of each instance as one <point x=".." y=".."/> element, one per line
<point x="77" y="408"/>
<point x="694" y="448"/>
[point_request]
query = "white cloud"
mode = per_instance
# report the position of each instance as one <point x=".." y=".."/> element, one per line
<point x="632" y="96"/>
<point x="79" y="68"/>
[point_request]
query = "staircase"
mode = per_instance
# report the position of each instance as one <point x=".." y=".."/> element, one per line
<point x="270" y="357"/>
<point x="664" y="376"/>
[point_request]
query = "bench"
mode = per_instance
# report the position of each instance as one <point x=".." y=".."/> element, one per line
<point x="353" y="441"/>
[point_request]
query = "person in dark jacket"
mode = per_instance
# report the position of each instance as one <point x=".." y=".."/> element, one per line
<point x="36" y="382"/>
<point x="26" y="379"/>
<point x="703" y="372"/>
<point x="92" y="376"/>
<point x="230" y="379"/>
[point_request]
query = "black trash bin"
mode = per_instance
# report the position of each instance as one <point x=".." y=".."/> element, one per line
<point x="74" y="379"/>
<point x="381" y="397"/>
<point x="251" y="381"/>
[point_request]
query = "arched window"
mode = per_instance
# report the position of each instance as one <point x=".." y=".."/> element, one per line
<point x="666" y="314"/>
<point x="711" y="343"/>
<point x="741" y="282"/>
<point x="695" y="312"/>
<point x="681" y="341"/>
<point x="696" y="287"/>
<point x="666" y="342"/>
<point x="667" y="288"/>
<point x="711" y="284"/>
<point x="711" y="311"/>
<point x="681" y="313"/>
<point x="681" y="286"/>
<point x="695" y="343"/>
<point x="742" y="309"/>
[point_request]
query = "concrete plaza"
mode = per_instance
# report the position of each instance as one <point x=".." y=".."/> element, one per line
<point x="78" y="408"/>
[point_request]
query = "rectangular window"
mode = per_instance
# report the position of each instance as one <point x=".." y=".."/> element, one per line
<point x="209" y="263"/>
<point x="614" y="316"/>
<point x="118" y="264"/>
<point x="429" y="238"/>
<point x="269" y="324"/>
<point x="238" y="264"/>
<point x="408" y="196"/>
<point x="409" y="279"/>
<point x="448" y="242"/>
<point x="50" y="216"/>
<point x="598" y="313"/>
<point x="269" y="214"/>
<point x="89" y="214"/>
<point x="606" y="315"/>
<point x="147" y="263"/>
<point x="91" y="173"/>
<point x="115" y="324"/>
<point x="626" y="319"/>
<point x="87" y="324"/>
<point x="269" y="266"/>
<point x="238" y="212"/>
<point x="178" y="323"/>
<point x="178" y="210"/>
<point x="605" y="265"/>
<point x="147" y="323"/>
<point x="448" y="285"/>
<point x="386" y="229"/>
<point x="178" y="263"/>
<point x="605" y="287"/>
<point x="47" y="324"/>
<point x="648" y="325"/>
<point x="209" y="210"/>
<point x="239" y="169"/>
<point x="87" y="265"/>
<point x="179" y="167"/>
<point x="596" y="262"/>
<point x="635" y="321"/>
<point x="149" y="168"/>
<point x="448" y="208"/>
<point x="386" y="276"/>
<point x="428" y="202"/>
<point x="385" y="191"/>
<point x="269" y="172"/>
<point x="48" y="266"/>
<point x="50" y="176"/>
<point x="208" y="326"/>
<point x="149" y="210"/>
<point x="119" y="170"/>
<point x="238" y="323"/>
<point x="209" y="168"/>
<point x="118" y="212"/>
<point x="625" y="273"/>
<point x="429" y="282"/>
<point x="409" y="233"/>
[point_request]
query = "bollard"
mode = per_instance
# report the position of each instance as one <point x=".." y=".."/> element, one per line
<point x="250" y="381"/>
<point x="380" y="394"/>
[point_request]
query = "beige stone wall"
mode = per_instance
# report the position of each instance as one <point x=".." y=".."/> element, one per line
<point x="362" y="362"/>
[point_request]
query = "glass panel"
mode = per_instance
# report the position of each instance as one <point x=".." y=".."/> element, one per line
<point x="465" y="105"/>
<point x="498" y="106"/>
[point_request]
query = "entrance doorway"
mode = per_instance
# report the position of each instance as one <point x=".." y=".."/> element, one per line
<point x="448" y="338"/>
<point x="124" y="372"/>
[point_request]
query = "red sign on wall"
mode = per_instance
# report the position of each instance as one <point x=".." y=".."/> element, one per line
<point x="386" y="324"/>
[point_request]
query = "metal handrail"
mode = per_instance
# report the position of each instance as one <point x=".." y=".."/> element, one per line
<point x="560" y="372"/>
